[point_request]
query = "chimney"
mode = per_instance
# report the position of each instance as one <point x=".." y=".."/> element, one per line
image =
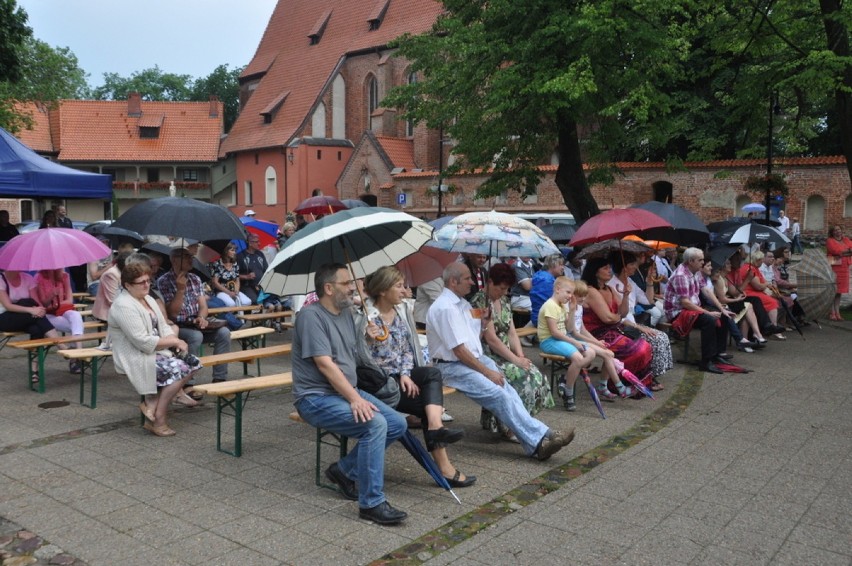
<point x="214" y="106"/>
<point x="134" y="104"/>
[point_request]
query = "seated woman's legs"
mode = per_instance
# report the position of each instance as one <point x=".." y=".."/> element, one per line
<point x="226" y="299"/>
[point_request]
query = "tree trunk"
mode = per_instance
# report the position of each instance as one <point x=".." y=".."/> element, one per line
<point x="570" y="177"/>
<point x="838" y="42"/>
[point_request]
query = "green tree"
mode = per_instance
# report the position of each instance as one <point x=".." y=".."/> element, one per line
<point x="152" y="84"/>
<point x="512" y="81"/>
<point x="50" y="73"/>
<point x="14" y="31"/>
<point x="225" y="84"/>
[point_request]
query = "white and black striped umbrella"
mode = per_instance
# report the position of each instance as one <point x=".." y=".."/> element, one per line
<point x="364" y="238"/>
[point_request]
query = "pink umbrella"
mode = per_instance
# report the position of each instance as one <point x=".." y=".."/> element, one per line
<point x="51" y="248"/>
<point x="425" y="265"/>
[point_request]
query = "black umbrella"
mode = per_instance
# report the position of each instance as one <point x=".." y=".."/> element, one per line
<point x="687" y="228"/>
<point x="559" y="231"/>
<point x="354" y="203"/>
<point x="115" y="235"/>
<point x="752" y="233"/>
<point x="418" y="451"/>
<point x="197" y="265"/>
<point x="183" y="217"/>
<point x="604" y="248"/>
<point x="720" y="254"/>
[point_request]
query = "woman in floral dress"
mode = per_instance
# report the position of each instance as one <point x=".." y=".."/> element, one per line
<point x="501" y="344"/>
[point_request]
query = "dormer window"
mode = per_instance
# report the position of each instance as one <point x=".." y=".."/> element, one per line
<point x="273" y="107"/>
<point x="149" y="133"/>
<point x="149" y="126"/>
<point x="378" y="14"/>
<point x="319" y="28"/>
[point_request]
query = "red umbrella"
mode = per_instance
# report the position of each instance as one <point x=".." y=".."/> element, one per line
<point x="616" y="223"/>
<point x="425" y="265"/>
<point x="319" y="205"/>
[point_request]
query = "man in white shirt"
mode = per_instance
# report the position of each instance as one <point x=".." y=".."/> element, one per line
<point x="454" y="329"/>
<point x="785" y="223"/>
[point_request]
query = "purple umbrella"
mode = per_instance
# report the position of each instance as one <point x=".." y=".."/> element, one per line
<point x="628" y="376"/>
<point x="594" y="394"/>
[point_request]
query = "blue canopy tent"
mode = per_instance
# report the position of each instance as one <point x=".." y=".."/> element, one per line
<point x="24" y="173"/>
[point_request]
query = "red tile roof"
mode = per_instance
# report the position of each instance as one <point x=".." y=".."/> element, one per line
<point x="292" y="64"/>
<point x="101" y="130"/>
<point x="399" y="151"/>
<point x="38" y="139"/>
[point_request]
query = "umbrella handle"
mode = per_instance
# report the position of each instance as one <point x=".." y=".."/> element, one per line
<point x="352" y="274"/>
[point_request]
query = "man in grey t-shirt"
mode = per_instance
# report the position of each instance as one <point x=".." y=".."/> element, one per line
<point x="325" y="356"/>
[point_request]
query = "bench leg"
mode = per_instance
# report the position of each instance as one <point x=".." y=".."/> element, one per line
<point x="337" y="441"/>
<point x="251" y="343"/>
<point x="94" y="364"/>
<point x="236" y="403"/>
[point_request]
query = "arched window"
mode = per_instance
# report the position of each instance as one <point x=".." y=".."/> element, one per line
<point x="815" y="214"/>
<point x="318" y="121"/>
<point x="338" y="108"/>
<point x="662" y="191"/>
<point x="742" y="200"/>
<point x="271" y="185"/>
<point x="372" y="95"/>
<point x="409" y="124"/>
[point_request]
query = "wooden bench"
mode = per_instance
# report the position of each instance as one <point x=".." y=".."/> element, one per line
<point x="256" y="319"/>
<point x="6" y="336"/>
<point x="235" y="308"/>
<point x="557" y="363"/>
<point x="254" y="337"/>
<point x="246" y="356"/>
<point x="337" y="441"/>
<point x="526" y="331"/>
<point x="89" y="358"/>
<point x="231" y="397"/>
<point x="37" y="352"/>
<point x="675" y="337"/>
<point x="520" y="316"/>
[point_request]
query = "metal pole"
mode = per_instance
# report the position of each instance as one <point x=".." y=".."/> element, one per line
<point x="440" y="168"/>
<point x="769" y="153"/>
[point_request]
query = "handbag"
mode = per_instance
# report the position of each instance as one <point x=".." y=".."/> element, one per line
<point x="377" y="383"/>
<point x="630" y="332"/>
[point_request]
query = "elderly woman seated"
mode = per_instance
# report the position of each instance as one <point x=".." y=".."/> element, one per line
<point x="146" y="349"/>
<point x="501" y="344"/>
<point x="746" y="278"/>
<point x="393" y="344"/>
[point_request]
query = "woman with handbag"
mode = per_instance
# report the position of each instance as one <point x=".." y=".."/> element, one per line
<point x="839" y="250"/>
<point x="53" y="292"/>
<point x="146" y="349"/>
<point x="20" y="311"/>
<point x="393" y="345"/>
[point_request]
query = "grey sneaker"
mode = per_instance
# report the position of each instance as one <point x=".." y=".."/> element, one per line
<point x="547" y="448"/>
<point x="563" y="438"/>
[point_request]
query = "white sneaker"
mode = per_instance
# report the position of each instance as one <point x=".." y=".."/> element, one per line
<point x="447" y="417"/>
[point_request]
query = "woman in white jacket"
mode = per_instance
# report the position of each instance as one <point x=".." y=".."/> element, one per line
<point x="146" y="349"/>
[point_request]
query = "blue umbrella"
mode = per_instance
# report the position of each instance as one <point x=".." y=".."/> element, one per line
<point x="267" y="231"/>
<point x="592" y="392"/>
<point x="418" y="451"/>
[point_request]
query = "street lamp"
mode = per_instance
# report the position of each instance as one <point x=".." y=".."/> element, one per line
<point x="774" y="110"/>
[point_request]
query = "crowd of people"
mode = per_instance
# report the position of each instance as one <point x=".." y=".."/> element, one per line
<point x="360" y="368"/>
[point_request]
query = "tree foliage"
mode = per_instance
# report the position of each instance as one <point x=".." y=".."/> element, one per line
<point x="14" y="31"/>
<point x="154" y="84"/>
<point x="513" y="81"/>
<point x="634" y="80"/>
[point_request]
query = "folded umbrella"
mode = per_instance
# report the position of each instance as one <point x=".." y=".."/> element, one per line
<point x="592" y="392"/>
<point x="815" y="283"/>
<point x="418" y="451"/>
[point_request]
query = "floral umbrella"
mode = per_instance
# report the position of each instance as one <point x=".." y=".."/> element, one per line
<point x="495" y="234"/>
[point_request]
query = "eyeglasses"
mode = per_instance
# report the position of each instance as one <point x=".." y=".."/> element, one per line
<point x="143" y="282"/>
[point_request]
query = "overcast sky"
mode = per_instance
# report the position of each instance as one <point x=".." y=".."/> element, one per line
<point x="187" y="37"/>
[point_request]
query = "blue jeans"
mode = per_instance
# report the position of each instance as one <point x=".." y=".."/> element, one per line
<point x="503" y="401"/>
<point x="365" y="464"/>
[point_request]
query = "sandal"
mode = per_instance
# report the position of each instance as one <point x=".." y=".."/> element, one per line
<point x="183" y="399"/>
<point x="456" y="482"/>
<point x="656" y="386"/>
<point x="147" y="411"/>
<point x="163" y="430"/>
<point x="779" y="336"/>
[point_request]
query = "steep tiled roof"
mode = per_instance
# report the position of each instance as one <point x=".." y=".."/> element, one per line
<point x="101" y="130"/>
<point x="399" y="151"/>
<point x="38" y="139"/>
<point x="292" y="64"/>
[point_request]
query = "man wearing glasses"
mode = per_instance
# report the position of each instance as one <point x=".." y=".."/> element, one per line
<point x="683" y="309"/>
<point x="186" y="304"/>
<point x="325" y="357"/>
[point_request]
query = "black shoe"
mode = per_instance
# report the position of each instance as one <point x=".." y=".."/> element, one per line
<point x="548" y="447"/>
<point x="773" y="329"/>
<point x="347" y="487"/>
<point x="383" y="514"/>
<point x="218" y="380"/>
<point x="456" y="482"/>
<point x="710" y="367"/>
<point x="444" y="434"/>
<point x="725" y="356"/>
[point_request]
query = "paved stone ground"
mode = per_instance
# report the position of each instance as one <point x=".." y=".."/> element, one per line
<point x="741" y="468"/>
